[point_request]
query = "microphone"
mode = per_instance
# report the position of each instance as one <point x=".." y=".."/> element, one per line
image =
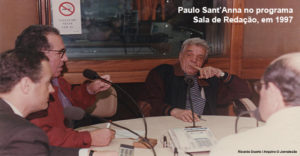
<point x="74" y="113"/>
<point x="190" y="82"/>
<point x="255" y="113"/>
<point x="92" y="75"/>
<point x="71" y="114"/>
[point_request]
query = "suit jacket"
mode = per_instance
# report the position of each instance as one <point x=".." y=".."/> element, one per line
<point x="20" y="137"/>
<point x="166" y="89"/>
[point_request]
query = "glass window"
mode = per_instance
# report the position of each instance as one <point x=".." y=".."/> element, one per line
<point x="116" y="29"/>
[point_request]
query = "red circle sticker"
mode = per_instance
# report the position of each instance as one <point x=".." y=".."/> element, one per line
<point x="66" y="8"/>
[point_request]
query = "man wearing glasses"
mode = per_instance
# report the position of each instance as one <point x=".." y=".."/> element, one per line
<point x="24" y="88"/>
<point x="48" y="40"/>
<point x="279" y="106"/>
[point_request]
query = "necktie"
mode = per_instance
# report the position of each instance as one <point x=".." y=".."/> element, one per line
<point x="197" y="101"/>
<point x="63" y="99"/>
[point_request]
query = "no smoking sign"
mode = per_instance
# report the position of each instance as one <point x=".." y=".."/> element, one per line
<point x="66" y="16"/>
<point x="66" y="9"/>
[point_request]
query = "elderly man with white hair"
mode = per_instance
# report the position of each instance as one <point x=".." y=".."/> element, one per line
<point x="167" y="92"/>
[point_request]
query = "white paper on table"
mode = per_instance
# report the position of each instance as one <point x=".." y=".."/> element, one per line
<point x="122" y="133"/>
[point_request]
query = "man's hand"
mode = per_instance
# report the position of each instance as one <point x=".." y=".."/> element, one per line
<point x="98" y="85"/>
<point x="208" y="72"/>
<point x="102" y="137"/>
<point x="184" y="115"/>
<point x="105" y="153"/>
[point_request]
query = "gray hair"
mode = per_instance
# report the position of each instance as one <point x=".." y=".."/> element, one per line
<point x="284" y="72"/>
<point x="196" y="41"/>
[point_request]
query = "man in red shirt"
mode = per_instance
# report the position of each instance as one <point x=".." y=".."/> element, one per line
<point x="48" y="40"/>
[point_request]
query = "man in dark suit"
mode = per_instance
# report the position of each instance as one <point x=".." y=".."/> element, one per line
<point x="24" y="88"/>
<point x="167" y="88"/>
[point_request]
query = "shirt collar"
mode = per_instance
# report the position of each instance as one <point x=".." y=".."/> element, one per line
<point x="15" y="110"/>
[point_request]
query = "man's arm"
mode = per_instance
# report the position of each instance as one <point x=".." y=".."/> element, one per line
<point x="67" y="137"/>
<point x="152" y="102"/>
<point x="106" y="104"/>
<point x="85" y="96"/>
<point x="232" y="88"/>
<point x="80" y="97"/>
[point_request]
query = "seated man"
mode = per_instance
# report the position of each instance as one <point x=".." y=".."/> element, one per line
<point x="48" y="40"/>
<point x="166" y="89"/>
<point x="24" y="88"/>
<point x="279" y="106"/>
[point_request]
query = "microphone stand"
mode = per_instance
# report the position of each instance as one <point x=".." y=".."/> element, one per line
<point x="141" y="143"/>
<point x="191" y="104"/>
<point x="242" y="114"/>
<point x="190" y="84"/>
<point x="145" y="141"/>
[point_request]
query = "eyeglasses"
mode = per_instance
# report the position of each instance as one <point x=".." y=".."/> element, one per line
<point x="60" y="52"/>
<point x="258" y="85"/>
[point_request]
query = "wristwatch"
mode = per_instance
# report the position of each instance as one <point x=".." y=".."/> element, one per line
<point x="222" y="74"/>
